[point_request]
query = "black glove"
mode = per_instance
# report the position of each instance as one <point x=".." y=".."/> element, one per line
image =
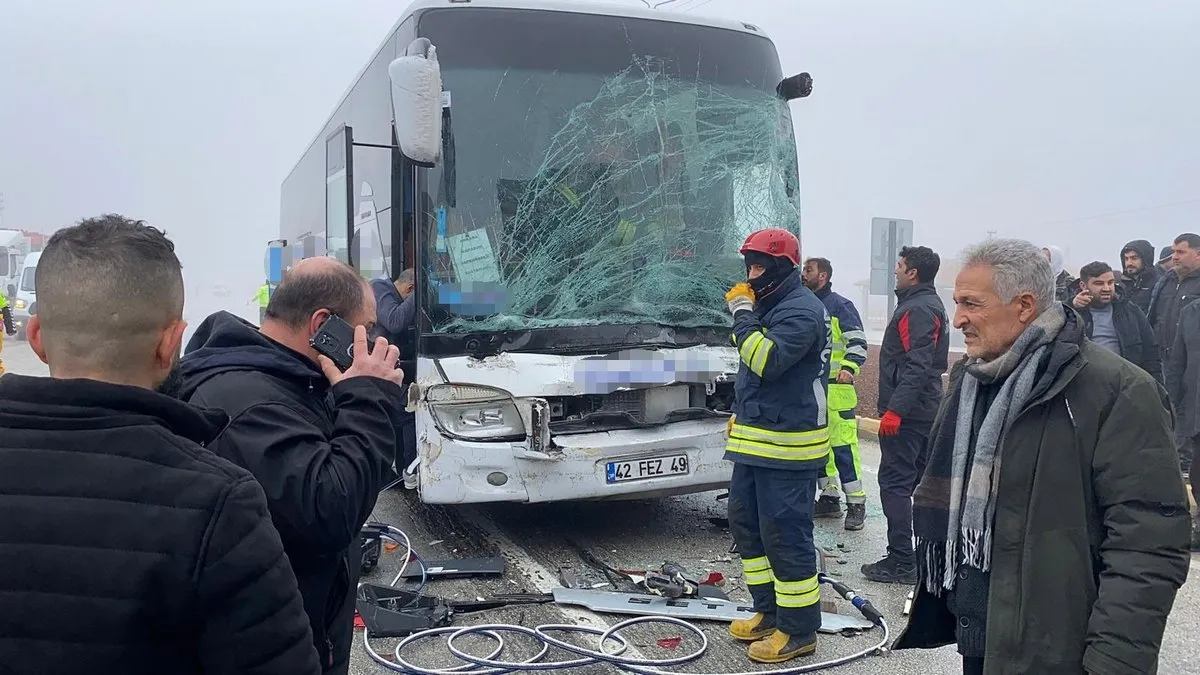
<point x="8" y="321"/>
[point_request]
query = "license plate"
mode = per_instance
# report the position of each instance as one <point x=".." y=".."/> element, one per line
<point x="654" y="467"/>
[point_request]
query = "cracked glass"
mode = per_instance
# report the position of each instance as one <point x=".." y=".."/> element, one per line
<point x="606" y="177"/>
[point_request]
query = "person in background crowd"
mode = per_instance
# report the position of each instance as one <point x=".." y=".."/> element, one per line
<point x="1183" y="385"/>
<point x="1113" y="322"/>
<point x="1174" y="291"/>
<point x="1064" y="284"/>
<point x="1140" y="274"/>
<point x="320" y="441"/>
<point x="126" y="546"/>
<point x="1164" y="260"/>
<point x="778" y="443"/>
<point x="395" y="305"/>
<point x="847" y="359"/>
<point x="395" y="309"/>
<point x="1066" y="557"/>
<point x="912" y="360"/>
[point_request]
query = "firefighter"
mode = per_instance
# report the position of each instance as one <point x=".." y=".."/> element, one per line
<point x="778" y="443"/>
<point x="9" y="329"/>
<point x="847" y="359"/>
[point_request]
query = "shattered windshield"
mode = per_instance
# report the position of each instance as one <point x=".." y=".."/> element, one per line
<point x="607" y="176"/>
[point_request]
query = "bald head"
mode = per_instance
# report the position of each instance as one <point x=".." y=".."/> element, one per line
<point x="321" y="286"/>
<point x="109" y="288"/>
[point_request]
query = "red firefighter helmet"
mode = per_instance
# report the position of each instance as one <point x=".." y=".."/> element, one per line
<point x="773" y="242"/>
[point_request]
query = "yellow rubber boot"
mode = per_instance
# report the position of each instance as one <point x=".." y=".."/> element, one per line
<point x="780" y="647"/>
<point x="755" y="628"/>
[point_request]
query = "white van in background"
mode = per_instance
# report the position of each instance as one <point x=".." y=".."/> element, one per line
<point x="25" y="303"/>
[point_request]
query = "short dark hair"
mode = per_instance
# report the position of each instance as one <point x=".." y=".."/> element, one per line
<point x="106" y="287"/>
<point x="1093" y="270"/>
<point x="1192" y="240"/>
<point x="923" y="260"/>
<point x="338" y="289"/>
<point x="823" y="266"/>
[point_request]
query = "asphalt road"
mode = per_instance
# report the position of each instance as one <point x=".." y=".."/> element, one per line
<point x="535" y="542"/>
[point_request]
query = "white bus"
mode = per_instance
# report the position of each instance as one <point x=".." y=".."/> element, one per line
<point x="571" y="183"/>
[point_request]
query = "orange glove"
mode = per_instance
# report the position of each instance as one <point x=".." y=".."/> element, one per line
<point x="889" y="424"/>
<point x="729" y="426"/>
<point x="740" y="297"/>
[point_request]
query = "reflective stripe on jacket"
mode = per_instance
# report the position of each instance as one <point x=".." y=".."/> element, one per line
<point x="849" y="339"/>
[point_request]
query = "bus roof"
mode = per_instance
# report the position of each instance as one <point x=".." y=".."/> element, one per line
<point x="571" y="6"/>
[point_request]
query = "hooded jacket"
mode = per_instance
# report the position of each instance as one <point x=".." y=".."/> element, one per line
<point x="1066" y="286"/>
<point x="1091" y="533"/>
<point x="127" y="547"/>
<point x="321" y="454"/>
<point x="1137" y="288"/>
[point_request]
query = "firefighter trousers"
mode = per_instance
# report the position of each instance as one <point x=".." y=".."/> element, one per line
<point x="844" y="462"/>
<point x="771" y="519"/>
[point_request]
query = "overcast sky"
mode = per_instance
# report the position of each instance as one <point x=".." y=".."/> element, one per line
<point x="1031" y="118"/>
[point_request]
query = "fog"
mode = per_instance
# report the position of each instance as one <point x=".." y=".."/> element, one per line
<point x="1070" y="123"/>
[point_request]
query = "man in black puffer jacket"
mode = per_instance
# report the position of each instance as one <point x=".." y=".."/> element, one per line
<point x="321" y="442"/>
<point x="125" y="545"/>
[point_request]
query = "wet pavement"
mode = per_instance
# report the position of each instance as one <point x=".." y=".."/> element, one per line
<point x="537" y="541"/>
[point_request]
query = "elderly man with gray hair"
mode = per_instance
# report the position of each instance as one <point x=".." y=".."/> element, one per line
<point x="1052" y="526"/>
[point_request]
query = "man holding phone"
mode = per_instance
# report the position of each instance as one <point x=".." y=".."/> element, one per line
<point x="321" y="440"/>
<point x="1113" y="322"/>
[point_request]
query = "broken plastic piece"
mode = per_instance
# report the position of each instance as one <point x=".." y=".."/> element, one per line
<point x="392" y="612"/>
<point x="467" y="567"/>
<point x="696" y="610"/>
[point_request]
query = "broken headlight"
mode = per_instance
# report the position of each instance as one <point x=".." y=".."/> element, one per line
<point x="475" y="413"/>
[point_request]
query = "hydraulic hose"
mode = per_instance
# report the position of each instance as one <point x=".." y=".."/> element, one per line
<point x="612" y="646"/>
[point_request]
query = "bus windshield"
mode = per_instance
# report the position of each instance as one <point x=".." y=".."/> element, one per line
<point x="598" y="169"/>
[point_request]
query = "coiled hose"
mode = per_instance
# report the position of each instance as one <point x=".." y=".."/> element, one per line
<point x="612" y="646"/>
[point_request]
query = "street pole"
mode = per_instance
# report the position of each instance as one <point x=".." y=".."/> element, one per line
<point x="893" y="254"/>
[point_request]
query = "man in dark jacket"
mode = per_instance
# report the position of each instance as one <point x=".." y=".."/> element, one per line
<point x="912" y="360"/>
<point x="778" y="443"/>
<point x="1137" y="261"/>
<point x="126" y="546"/>
<point x="395" y="309"/>
<point x="1052" y="528"/>
<point x="1113" y="322"/>
<point x="1174" y="291"/>
<point x="321" y="442"/>
<point x="1183" y="384"/>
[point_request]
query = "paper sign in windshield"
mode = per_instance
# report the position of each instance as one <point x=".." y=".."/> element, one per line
<point x="474" y="261"/>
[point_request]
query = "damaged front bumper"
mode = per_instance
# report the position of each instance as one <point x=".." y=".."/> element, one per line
<point x="671" y="459"/>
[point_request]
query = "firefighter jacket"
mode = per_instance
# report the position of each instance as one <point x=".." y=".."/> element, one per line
<point x="849" y="350"/>
<point x="780" y="412"/>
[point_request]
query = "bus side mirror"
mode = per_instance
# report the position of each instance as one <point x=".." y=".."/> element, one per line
<point x="794" y="87"/>
<point x="417" y="102"/>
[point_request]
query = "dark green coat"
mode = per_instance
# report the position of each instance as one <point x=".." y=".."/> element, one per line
<point x="1091" y="539"/>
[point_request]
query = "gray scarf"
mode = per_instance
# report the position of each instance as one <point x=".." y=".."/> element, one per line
<point x="973" y="485"/>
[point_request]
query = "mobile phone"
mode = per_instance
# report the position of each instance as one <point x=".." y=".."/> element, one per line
<point x="335" y="341"/>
